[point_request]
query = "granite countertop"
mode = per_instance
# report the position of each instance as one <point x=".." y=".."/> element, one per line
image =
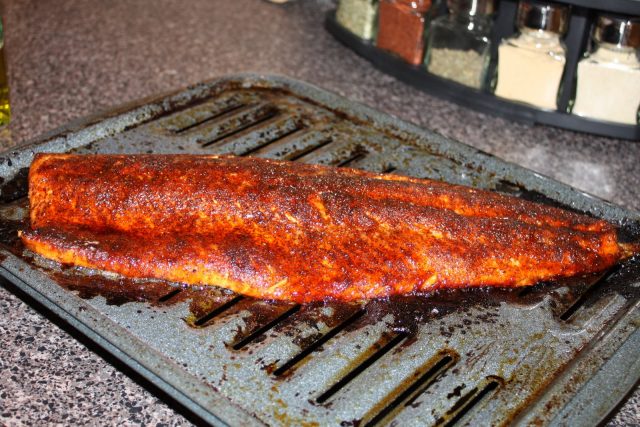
<point x="69" y="58"/>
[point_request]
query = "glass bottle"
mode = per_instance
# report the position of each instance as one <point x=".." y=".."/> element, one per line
<point x="359" y="17"/>
<point x="531" y="63"/>
<point x="5" y="108"/>
<point x="458" y="47"/>
<point x="402" y="28"/>
<point x="608" y="78"/>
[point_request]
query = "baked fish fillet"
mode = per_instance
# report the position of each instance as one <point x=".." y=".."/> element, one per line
<point x="291" y="231"/>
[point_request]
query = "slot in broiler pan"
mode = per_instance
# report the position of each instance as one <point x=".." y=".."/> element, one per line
<point x="558" y="353"/>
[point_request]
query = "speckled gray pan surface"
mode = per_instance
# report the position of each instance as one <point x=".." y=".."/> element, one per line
<point x="477" y="357"/>
<point x="67" y="59"/>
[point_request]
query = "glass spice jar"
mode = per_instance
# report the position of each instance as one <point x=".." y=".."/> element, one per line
<point x="531" y="63"/>
<point x="359" y="17"/>
<point x="458" y="46"/>
<point x="608" y="78"/>
<point x="402" y="27"/>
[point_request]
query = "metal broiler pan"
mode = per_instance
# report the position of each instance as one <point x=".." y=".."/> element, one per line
<point x="554" y="354"/>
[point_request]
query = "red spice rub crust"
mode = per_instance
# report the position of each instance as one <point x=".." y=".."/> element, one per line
<point x="290" y="231"/>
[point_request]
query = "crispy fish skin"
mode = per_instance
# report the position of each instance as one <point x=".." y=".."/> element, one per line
<point x="289" y="231"/>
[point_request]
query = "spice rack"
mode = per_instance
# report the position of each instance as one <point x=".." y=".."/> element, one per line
<point x="582" y="17"/>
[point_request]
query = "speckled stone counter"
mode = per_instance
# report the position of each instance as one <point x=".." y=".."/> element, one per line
<point x="67" y="59"/>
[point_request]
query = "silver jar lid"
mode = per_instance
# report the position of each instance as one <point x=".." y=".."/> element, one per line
<point x="618" y="30"/>
<point x="472" y="7"/>
<point x="543" y="16"/>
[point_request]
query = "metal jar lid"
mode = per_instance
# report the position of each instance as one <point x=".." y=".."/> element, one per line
<point x="618" y="30"/>
<point x="472" y="7"/>
<point x="543" y="16"/>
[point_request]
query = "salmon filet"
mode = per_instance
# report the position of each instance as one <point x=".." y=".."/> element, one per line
<point x="298" y="232"/>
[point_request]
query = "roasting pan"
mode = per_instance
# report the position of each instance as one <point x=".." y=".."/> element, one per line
<point x="555" y="354"/>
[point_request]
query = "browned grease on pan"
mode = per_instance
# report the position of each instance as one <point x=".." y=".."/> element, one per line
<point x="409" y="312"/>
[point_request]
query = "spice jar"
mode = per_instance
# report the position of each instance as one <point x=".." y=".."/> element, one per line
<point x="458" y="47"/>
<point x="359" y="17"/>
<point x="401" y="28"/>
<point x="608" y="81"/>
<point x="531" y="63"/>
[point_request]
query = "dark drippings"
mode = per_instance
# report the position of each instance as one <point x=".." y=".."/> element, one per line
<point x="16" y="187"/>
<point x="13" y="217"/>
<point x="409" y="312"/>
<point x="618" y="280"/>
<point x="115" y="291"/>
<point x="514" y="189"/>
<point x="120" y="290"/>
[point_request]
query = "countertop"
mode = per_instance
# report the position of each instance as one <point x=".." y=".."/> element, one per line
<point x="70" y="58"/>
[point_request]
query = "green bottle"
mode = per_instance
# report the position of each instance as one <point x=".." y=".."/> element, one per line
<point x="5" y="109"/>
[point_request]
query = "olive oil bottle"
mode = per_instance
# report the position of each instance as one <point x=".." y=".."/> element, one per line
<point x="5" y="109"/>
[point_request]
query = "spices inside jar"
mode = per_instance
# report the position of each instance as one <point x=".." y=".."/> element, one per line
<point x="531" y="64"/>
<point x="359" y="17"/>
<point x="463" y="66"/>
<point x="459" y="45"/>
<point x="401" y="28"/>
<point x="608" y="82"/>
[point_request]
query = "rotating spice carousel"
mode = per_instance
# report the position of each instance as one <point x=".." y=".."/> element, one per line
<point x="574" y="66"/>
